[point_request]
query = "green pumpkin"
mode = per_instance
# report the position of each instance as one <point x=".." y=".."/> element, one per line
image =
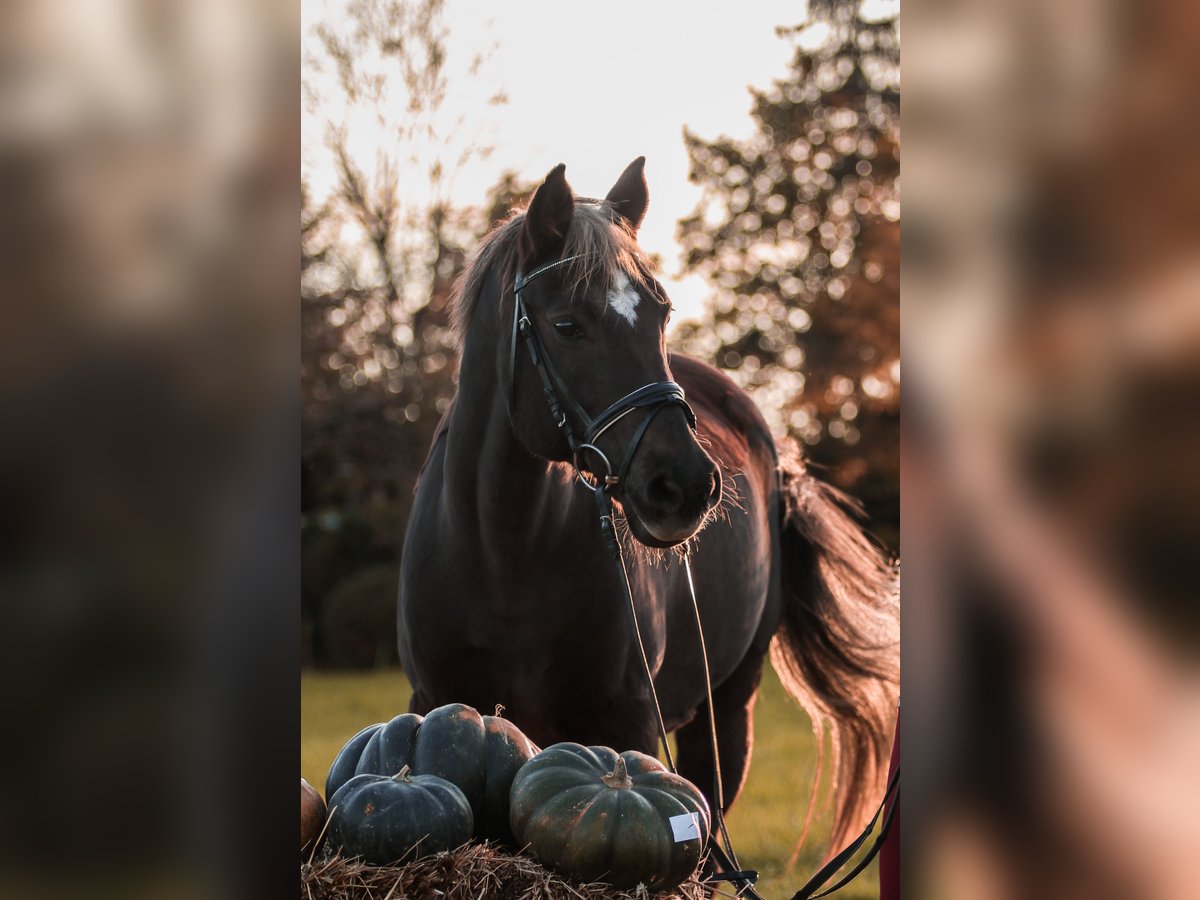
<point x="594" y="815"/>
<point x="384" y="820"/>
<point x="478" y="754"/>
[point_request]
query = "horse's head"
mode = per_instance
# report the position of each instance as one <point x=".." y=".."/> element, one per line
<point x="600" y="320"/>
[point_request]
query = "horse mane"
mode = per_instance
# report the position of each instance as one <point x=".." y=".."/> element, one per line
<point x="600" y="238"/>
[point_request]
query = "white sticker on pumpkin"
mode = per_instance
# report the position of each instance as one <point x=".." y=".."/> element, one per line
<point x="685" y="827"/>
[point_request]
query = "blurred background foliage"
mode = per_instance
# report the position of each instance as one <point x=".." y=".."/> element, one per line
<point x="797" y="233"/>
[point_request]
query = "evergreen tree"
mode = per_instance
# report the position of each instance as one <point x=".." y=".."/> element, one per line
<point x="798" y="231"/>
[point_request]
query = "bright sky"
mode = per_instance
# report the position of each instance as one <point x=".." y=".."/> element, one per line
<point x="595" y="86"/>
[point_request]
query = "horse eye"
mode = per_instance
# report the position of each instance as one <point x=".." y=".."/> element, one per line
<point x="567" y="329"/>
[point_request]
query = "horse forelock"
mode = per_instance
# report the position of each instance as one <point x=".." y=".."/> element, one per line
<point x="605" y="251"/>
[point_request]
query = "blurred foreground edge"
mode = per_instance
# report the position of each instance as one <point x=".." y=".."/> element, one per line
<point x="1051" y="330"/>
<point x="148" y="448"/>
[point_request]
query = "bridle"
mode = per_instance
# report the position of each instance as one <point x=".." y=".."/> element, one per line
<point x="654" y="397"/>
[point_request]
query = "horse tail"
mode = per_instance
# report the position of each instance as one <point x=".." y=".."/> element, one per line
<point x="837" y="647"/>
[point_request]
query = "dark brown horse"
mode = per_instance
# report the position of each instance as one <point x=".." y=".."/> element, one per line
<point x="507" y="595"/>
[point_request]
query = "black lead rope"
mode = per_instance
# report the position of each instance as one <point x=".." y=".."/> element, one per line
<point x="827" y="871"/>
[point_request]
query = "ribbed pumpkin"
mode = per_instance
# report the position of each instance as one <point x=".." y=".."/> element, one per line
<point x="383" y="819"/>
<point x="594" y="815"/>
<point x="478" y="754"/>
<point x="312" y="816"/>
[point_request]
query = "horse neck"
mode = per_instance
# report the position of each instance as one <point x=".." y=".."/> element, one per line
<point x="491" y="480"/>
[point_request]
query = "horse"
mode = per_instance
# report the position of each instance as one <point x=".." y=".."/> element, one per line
<point x="506" y="595"/>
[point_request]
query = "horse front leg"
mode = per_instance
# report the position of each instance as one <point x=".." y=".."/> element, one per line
<point x="734" y="701"/>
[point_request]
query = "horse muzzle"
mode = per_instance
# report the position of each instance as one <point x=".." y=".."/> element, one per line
<point x="667" y="500"/>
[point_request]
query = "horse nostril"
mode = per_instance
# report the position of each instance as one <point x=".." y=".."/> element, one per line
<point x="664" y="493"/>
<point x="714" y="494"/>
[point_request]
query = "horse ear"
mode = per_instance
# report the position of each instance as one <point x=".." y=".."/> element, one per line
<point x="629" y="196"/>
<point x="547" y="220"/>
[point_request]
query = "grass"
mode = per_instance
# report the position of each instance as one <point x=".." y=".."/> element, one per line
<point x="764" y="825"/>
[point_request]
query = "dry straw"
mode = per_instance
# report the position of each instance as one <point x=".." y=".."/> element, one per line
<point x="472" y="872"/>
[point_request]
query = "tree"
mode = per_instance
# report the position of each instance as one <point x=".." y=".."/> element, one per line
<point x="380" y="249"/>
<point x="798" y="230"/>
<point x="370" y="409"/>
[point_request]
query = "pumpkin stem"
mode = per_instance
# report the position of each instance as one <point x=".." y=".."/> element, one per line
<point x="402" y="775"/>
<point x="618" y="777"/>
<point x="499" y="710"/>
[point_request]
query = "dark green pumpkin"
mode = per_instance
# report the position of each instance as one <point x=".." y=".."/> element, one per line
<point x="478" y="754"/>
<point x="384" y="820"/>
<point x="594" y="815"/>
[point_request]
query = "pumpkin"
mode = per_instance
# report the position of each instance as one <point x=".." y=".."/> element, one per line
<point x="478" y="754"/>
<point x="384" y="819"/>
<point x="312" y="816"/>
<point x="596" y="815"/>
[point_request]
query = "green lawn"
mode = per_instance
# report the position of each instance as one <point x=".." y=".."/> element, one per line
<point x="764" y="825"/>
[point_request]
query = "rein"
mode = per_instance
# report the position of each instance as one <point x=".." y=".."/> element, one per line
<point x="730" y="869"/>
<point x="655" y="397"/>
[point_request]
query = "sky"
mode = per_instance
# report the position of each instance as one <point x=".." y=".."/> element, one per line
<point x="595" y="86"/>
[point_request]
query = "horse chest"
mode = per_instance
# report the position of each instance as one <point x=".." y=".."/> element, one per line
<point x="568" y="623"/>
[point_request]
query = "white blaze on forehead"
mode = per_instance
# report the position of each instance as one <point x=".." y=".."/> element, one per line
<point x="624" y="298"/>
